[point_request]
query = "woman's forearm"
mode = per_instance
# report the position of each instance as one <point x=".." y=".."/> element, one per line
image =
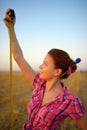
<point x="16" y="49"/>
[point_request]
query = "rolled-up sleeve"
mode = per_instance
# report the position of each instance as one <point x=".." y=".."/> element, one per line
<point x="76" y="109"/>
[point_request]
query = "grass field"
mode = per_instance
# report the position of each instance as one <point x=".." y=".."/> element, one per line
<point x="22" y="90"/>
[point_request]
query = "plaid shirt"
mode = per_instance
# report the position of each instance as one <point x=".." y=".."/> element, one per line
<point x="52" y="114"/>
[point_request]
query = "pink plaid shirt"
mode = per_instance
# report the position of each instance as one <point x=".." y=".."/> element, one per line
<point x="52" y="114"/>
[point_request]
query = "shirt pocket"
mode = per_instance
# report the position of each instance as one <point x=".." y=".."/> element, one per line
<point x="44" y="118"/>
<point x="47" y="114"/>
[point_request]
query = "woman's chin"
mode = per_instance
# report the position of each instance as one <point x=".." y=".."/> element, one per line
<point x="42" y="77"/>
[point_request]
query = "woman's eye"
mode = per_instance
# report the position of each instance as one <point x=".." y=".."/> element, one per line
<point x="45" y="63"/>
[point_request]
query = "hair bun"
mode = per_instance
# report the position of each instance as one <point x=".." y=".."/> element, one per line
<point x="73" y="66"/>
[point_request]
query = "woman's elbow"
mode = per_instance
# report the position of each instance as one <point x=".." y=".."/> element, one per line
<point x="17" y="58"/>
<point x="83" y="122"/>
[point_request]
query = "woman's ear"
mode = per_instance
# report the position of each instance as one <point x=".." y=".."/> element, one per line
<point x="58" y="72"/>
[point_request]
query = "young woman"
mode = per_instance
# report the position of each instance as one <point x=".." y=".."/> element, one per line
<point x="51" y="101"/>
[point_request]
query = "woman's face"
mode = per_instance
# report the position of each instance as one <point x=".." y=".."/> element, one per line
<point x="47" y="68"/>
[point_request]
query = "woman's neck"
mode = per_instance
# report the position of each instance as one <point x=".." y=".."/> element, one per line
<point x="52" y="85"/>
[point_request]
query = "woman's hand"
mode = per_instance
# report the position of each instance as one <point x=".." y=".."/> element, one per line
<point x="9" y="18"/>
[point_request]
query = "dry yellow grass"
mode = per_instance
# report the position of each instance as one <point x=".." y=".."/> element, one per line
<point x="22" y="90"/>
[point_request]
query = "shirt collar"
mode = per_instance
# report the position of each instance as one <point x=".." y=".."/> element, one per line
<point x="62" y="95"/>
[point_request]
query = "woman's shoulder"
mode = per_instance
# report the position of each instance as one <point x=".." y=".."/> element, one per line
<point x="69" y="95"/>
<point x="75" y="108"/>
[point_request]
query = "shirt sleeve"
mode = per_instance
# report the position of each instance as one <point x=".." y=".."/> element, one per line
<point x="76" y="109"/>
<point x="38" y="82"/>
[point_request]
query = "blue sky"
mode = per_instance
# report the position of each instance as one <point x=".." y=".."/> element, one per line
<point x="45" y="24"/>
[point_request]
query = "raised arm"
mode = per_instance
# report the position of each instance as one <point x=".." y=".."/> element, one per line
<point x="16" y="49"/>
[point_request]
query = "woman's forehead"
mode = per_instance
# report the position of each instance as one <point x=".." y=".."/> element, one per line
<point x="48" y="58"/>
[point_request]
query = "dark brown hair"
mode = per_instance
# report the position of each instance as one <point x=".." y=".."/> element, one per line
<point x="62" y="60"/>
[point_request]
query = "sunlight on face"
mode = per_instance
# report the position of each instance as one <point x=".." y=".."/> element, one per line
<point x="47" y="68"/>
